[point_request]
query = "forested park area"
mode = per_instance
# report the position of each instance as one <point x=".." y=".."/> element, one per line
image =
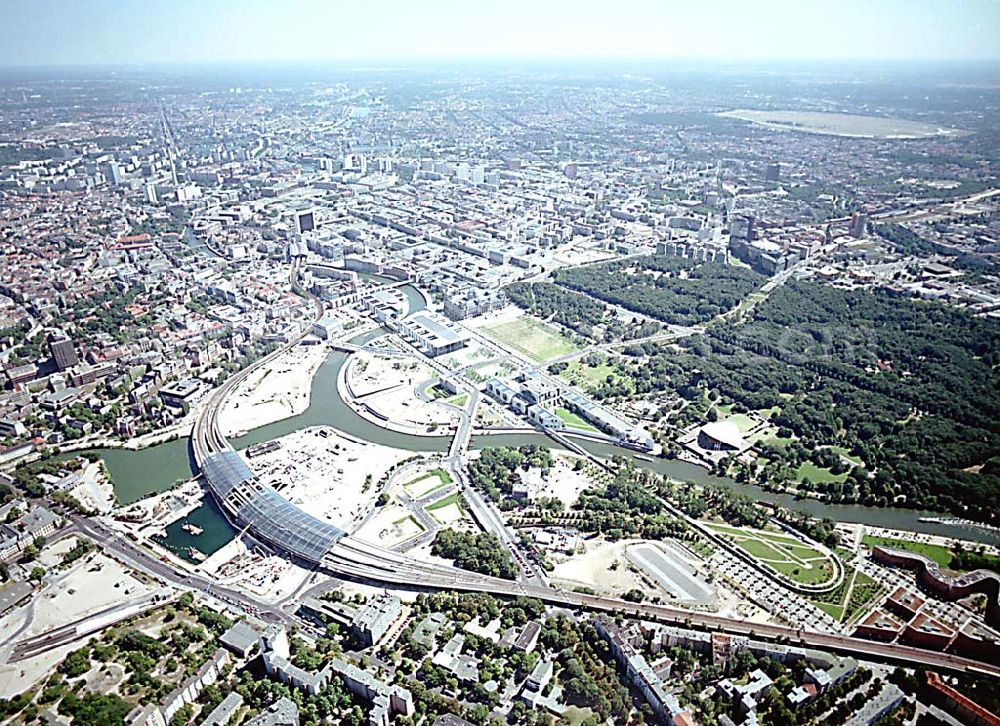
<point x="909" y="387"/>
<point x="580" y="313"/>
<point x="669" y="289"/>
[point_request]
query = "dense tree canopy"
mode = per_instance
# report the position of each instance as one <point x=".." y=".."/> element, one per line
<point x="480" y="552"/>
<point x="909" y="387"/>
<point x="670" y="289"/>
<point x="580" y="313"/>
<point x="497" y="470"/>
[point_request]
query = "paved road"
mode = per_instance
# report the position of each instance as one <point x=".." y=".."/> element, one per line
<point x="89" y="624"/>
<point x="135" y="556"/>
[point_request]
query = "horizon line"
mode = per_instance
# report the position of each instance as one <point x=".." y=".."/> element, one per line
<point x="424" y="60"/>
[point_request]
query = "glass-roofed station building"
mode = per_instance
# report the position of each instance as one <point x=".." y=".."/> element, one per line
<point x="268" y="516"/>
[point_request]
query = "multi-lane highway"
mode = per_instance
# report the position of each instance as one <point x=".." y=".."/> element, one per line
<point x="89" y="624"/>
<point x="140" y="559"/>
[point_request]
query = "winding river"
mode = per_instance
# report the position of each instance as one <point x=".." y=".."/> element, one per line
<point x="157" y="468"/>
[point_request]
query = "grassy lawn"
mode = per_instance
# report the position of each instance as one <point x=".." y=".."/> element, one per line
<point x="941" y="555"/>
<point x="840" y="450"/>
<point x="803" y="552"/>
<point x="769" y="435"/>
<point x="743" y="422"/>
<point x="761" y="551"/>
<point x="455" y="498"/>
<point x="865" y="592"/>
<point x="412" y="488"/>
<point x="458" y="400"/>
<point x="574" y="421"/>
<point x="440" y="473"/>
<point x="808" y="470"/>
<point x="574" y="715"/>
<point x="779" y="537"/>
<point x="819" y="572"/>
<point x="409" y="518"/>
<point x="702" y="547"/>
<point x="845" y="554"/>
<point x="531" y="337"/>
<point x="797" y="561"/>
<point x="589" y="378"/>
<point x="834" y="611"/>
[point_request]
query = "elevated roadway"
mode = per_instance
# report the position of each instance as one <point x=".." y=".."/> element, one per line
<point x="89" y="624"/>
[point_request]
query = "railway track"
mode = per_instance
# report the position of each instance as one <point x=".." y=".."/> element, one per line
<point x="355" y="559"/>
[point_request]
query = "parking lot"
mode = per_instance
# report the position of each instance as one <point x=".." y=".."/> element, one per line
<point x="766" y="593"/>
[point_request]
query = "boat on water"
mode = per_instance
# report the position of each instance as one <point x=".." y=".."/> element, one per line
<point x="642" y="457"/>
<point x="196" y="554"/>
<point x="192" y="529"/>
<point x="959" y="522"/>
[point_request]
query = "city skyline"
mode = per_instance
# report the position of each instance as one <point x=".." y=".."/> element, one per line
<point x="99" y="32"/>
<point x="434" y="364"/>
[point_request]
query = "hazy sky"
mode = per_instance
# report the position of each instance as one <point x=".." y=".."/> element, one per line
<point x="57" y="32"/>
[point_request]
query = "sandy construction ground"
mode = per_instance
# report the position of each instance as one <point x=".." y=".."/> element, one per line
<point x="472" y="353"/>
<point x="383" y="389"/>
<point x="325" y="473"/>
<point x="734" y="605"/>
<point x="401" y="407"/>
<point x="580" y="251"/>
<point x="562" y="482"/>
<point x="94" y="489"/>
<point x="270" y="578"/>
<point x="497" y="368"/>
<point x="506" y="314"/>
<point x="603" y="567"/>
<point x="17" y="677"/>
<point x="277" y="391"/>
<point x="423" y="553"/>
<point x="96" y="582"/>
<point x="448" y="514"/>
<point x="392" y="525"/>
<point x="51" y="555"/>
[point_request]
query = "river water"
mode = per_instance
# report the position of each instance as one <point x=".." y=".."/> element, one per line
<point x="139" y="473"/>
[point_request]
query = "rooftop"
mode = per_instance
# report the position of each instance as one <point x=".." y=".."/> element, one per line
<point x="268" y="514"/>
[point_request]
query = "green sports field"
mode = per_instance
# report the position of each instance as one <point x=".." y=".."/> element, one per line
<point x="531" y="337"/>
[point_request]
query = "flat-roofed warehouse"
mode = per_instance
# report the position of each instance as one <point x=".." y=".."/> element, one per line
<point x="433" y="334"/>
<point x="268" y="515"/>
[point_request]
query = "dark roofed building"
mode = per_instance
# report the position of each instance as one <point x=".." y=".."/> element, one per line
<point x="450" y="719"/>
<point x="528" y="637"/>
<point x="241" y="638"/>
<point x="282" y="712"/>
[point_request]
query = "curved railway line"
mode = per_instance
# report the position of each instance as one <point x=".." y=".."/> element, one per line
<point x="355" y="559"/>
